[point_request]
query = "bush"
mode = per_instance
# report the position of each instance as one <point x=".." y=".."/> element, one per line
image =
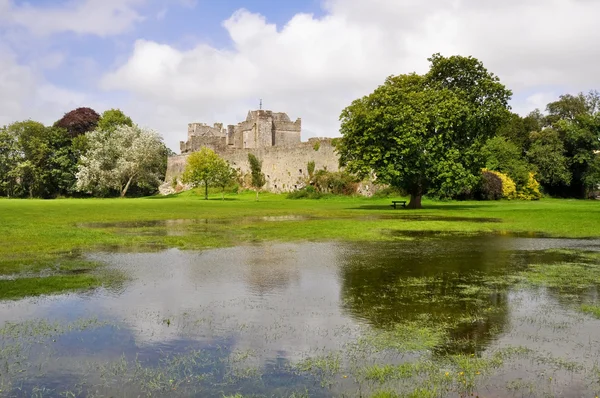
<point x="308" y="192"/>
<point x="337" y="183"/>
<point x="387" y="192"/>
<point x="509" y="189"/>
<point x="490" y="187"/>
<point x="531" y="191"/>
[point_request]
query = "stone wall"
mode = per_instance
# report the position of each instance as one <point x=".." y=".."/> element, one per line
<point x="284" y="166"/>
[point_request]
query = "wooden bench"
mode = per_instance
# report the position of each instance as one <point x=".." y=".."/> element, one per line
<point x="395" y="202"/>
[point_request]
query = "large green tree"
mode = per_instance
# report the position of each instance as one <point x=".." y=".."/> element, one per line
<point x="423" y="134"/>
<point x="547" y="155"/>
<point x="577" y="121"/>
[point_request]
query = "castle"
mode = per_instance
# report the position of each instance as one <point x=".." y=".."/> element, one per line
<point x="261" y="129"/>
<point x="271" y="136"/>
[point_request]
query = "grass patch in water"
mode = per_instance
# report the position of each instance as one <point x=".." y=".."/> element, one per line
<point x="406" y="337"/>
<point x="571" y="276"/>
<point x="591" y="309"/>
<point x="25" y="287"/>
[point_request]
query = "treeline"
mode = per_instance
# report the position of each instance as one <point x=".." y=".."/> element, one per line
<point x="82" y="154"/>
<point x="560" y="150"/>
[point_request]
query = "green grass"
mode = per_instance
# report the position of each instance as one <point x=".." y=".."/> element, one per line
<point x="22" y="287"/>
<point x="591" y="309"/>
<point x="48" y="236"/>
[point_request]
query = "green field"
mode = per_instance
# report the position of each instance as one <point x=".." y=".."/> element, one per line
<point x="47" y="237"/>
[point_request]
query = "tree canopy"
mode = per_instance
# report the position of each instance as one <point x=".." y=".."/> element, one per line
<point x="79" y="121"/>
<point x="207" y="168"/>
<point x="258" y="177"/>
<point x="423" y="134"/>
<point x="116" y="160"/>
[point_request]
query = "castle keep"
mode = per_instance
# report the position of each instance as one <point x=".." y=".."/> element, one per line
<point x="270" y="136"/>
<point x="261" y="129"/>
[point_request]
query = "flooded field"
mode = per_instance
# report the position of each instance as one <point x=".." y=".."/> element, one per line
<point x="430" y="314"/>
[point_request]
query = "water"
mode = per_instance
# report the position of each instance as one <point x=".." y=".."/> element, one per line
<point x="313" y="319"/>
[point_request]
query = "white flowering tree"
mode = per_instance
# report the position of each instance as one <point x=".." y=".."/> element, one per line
<point x="119" y="158"/>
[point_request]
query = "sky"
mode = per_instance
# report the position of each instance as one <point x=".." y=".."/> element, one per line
<point x="167" y="63"/>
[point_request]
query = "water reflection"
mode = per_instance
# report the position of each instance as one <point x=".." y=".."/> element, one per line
<point x="267" y="307"/>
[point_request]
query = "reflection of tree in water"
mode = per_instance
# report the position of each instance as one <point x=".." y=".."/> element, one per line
<point x="458" y="282"/>
<point x="270" y="268"/>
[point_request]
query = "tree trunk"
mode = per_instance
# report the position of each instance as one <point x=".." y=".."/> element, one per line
<point x="223" y="194"/>
<point x="205" y="190"/>
<point x="257" y="195"/>
<point x="124" y="191"/>
<point x="415" y="202"/>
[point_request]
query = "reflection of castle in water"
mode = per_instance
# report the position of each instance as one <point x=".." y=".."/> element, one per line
<point x="270" y="269"/>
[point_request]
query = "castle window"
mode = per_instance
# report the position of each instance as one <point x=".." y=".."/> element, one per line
<point x="300" y="171"/>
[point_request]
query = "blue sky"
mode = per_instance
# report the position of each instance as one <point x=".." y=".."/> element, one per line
<point x="170" y="62"/>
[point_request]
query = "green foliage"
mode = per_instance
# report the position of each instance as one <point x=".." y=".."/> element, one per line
<point x="113" y="118"/>
<point x="308" y="192"/>
<point x="547" y="155"/>
<point x="577" y="121"/>
<point x="424" y="133"/>
<point x="206" y="168"/>
<point x="531" y="191"/>
<point x="504" y="156"/>
<point x="337" y="183"/>
<point x="258" y="177"/>
<point x="317" y="145"/>
<point x="310" y="168"/>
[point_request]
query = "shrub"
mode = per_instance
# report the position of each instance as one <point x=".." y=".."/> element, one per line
<point x="308" y="192"/>
<point x="509" y="189"/>
<point x="387" y="192"/>
<point x="490" y="187"/>
<point x="531" y="191"/>
<point x="317" y="145"/>
<point x="338" y="183"/>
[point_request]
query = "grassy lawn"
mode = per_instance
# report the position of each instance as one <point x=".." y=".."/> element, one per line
<point x="48" y="236"/>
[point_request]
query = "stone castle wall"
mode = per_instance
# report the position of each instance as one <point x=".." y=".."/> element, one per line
<point x="285" y="167"/>
<point x="271" y="136"/>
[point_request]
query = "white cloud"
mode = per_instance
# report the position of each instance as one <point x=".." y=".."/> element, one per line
<point x="314" y="67"/>
<point x="24" y="94"/>
<point x="96" y="17"/>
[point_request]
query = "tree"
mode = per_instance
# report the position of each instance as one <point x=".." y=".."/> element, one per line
<point x="9" y="159"/>
<point x="202" y="168"/>
<point x="577" y="121"/>
<point x="504" y="156"/>
<point x="79" y="121"/>
<point x="113" y="118"/>
<point x="258" y="177"/>
<point x="116" y="160"/>
<point x="423" y="134"/>
<point x="547" y="155"/>
<point x="223" y="176"/>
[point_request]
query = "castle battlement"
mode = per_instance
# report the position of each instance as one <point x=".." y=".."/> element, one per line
<point x="261" y="129"/>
